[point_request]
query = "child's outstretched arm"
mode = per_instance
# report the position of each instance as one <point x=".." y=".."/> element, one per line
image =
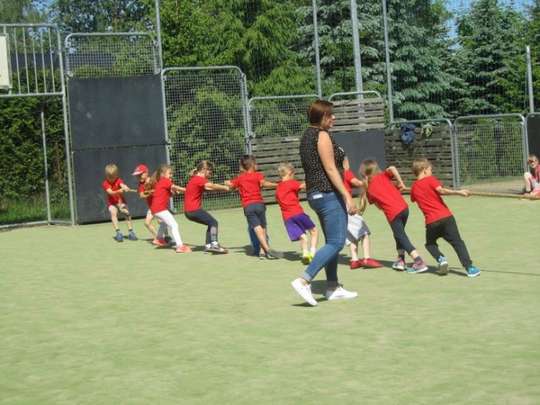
<point x="216" y="187"/>
<point x="357" y="183"/>
<point x="177" y="189"/>
<point x="303" y="185"/>
<point x="448" y="191"/>
<point x="394" y="172"/>
<point x="110" y="191"/>
<point x="268" y="184"/>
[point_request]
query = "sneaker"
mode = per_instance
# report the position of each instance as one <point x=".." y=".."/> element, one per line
<point x="306" y="259"/>
<point x="418" y="267"/>
<point x="159" y="242"/>
<point x="399" y="264"/>
<point x="183" y="249"/>
<point x="167" y="239"/>
<point x="372" y="264"/>
<point x="216" y="248"/>
<point x="356" y="264"/>
<point x="304" y="291"/>
<point x="118" y="237"/>
<point x="473" y="271"/>
<point x="271" y="255"/>
<point x="132" y="236"/>
<point x="443" y="266"/>
<point x="340" y="293"/>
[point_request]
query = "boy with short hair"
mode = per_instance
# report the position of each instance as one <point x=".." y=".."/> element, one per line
<point x="532" y="177"/>
<point x="115" y="187"/>
<point x="426" y="191"/>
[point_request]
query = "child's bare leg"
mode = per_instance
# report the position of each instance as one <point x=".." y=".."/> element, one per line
<point x="149" y="225"/>
<point x="353" y="247"/>
<point x="114" y="216"/>
<point x="304" y="244"/>
<point x="366" y="247"/>
<point x="261" y="236"/>
<point x="314" y="240"/>
<point x="527" y="179"/>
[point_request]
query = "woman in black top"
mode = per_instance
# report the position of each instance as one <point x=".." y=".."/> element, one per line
<point x="322" y="160"/>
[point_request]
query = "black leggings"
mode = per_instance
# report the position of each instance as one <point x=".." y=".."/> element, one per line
<point x="202" y="217"/>
<point x="398" y="229"/>
<point x="447" y="229"/>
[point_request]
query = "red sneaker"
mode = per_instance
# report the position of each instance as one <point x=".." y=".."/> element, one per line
<point x="159" y="243"/>
<point x="183" y="249"/>
<point x="356" y="264"/>
<point x="372" y="264"/>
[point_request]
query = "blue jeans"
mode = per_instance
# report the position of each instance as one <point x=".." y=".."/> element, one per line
<point x="332" y="214"/>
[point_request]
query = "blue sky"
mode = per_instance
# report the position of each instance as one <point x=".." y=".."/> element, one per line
<point x="458" y="4"/>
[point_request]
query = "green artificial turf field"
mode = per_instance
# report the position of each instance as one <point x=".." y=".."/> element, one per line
<point x="86" y="320"/>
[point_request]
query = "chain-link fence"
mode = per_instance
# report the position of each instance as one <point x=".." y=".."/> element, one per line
<point x="491" y="152"/>
<point x="91" y="55"/>
<point x="206" y="119"/>
<point x="276" y="126"/>
<point x="36" y="172"/>
<point x="430" y="139"/>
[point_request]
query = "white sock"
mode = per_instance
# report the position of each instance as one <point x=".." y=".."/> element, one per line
<point x="313" y="251"/>
<point x="306" y="253"/>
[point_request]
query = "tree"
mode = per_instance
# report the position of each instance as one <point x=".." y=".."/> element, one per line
<point x="490" y="39"/>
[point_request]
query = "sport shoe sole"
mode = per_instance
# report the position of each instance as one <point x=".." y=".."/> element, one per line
<point x="303" y="292"/>
<point x="443" y="269"/>
<point x="473" y="275"/>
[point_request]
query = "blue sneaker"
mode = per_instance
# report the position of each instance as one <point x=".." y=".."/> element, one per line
<point x="473" y="271"/>
<point x="443" y="266"/>
<point x="132" y="236"/>
<point x="119" y="237"/>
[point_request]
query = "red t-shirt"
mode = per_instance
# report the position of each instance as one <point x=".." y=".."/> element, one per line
<point x="536" y="173"/>
<point x="249" y="186"/>
<point x="287" y="198"/>
<point x="385" y="195"/>
<point x="194" y="193"/>
<point x="114" y="186"/>
<point x="424" y="193"/>
<point x="141" y="189"/>
<point x="162" y="195"/>
<point x="348" y="177"/>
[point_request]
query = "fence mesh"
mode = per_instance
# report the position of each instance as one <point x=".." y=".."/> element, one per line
<point x="111" y="55"/>
<point x="34" y="60"/>
<point x="491" y="154"/>
<point x="206" y="120"/>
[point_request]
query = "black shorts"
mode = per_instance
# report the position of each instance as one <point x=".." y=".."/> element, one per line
<point x="256" y="215"/>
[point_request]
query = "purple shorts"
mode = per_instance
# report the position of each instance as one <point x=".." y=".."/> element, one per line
<point x="298" y="225"/>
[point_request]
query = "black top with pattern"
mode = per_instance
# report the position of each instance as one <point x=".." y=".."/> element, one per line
<point x="316" y="177"/>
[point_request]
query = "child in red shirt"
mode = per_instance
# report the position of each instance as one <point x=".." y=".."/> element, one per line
<point x="115" y="188"/>
<point x="164" y="188"/>
<point x="249" y="183"/>
<point x="297" y="223"/>
<point x="426" y="191"/>
<point x="387" y="197"/>
<point x="144" y="189"/>
<point x="532" y="177"/>
<point x="357" y="228"/>
<point x="193" y="211"/>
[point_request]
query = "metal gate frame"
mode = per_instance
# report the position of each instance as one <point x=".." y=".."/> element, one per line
<point x="453" y="141"/>
<point x="524" y="137"/>
<point x="67" y="140"/>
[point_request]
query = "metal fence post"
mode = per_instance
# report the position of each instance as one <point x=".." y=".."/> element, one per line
<point x="387" y="63"/>
<point x="356" y="46"/>
<point x="158" y="33"/>
<point x="530" y="79"/>
<point x="246" y="114"/>
<point x="45" y="164"/>
<point x="317" y="50"/>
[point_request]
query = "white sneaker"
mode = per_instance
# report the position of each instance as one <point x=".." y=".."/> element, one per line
<point x="304" y="291"/>
<point x="340" y="293"/>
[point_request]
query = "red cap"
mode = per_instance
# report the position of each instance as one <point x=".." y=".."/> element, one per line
<point x="140" y="169"/>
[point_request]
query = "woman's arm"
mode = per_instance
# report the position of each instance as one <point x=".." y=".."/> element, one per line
<point x="326" y="154"/>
